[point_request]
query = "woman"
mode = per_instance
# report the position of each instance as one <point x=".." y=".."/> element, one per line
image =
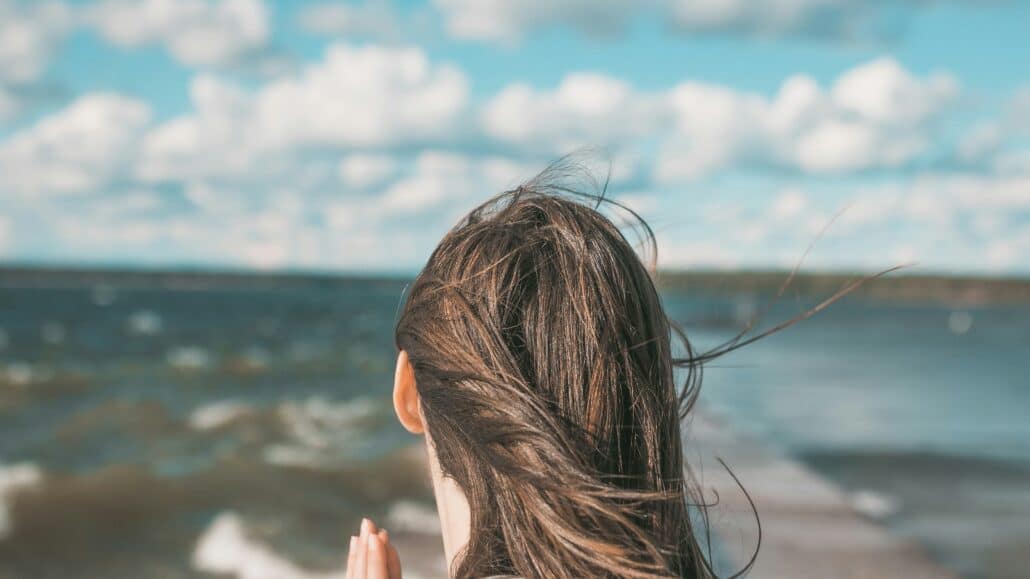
<point x="536" y="359"/>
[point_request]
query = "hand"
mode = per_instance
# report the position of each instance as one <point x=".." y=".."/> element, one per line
<point x="371" y="556"/>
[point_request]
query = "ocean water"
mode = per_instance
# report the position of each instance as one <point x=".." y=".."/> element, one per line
<point x="244" y="430"/>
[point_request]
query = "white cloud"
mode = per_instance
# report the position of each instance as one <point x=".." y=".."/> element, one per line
<point x="836" y="20"/>
<point x="5" y="235"/>
<point x="841" y="19"/>
<point x="215" y="140"/>
<point x="76" y="150"/>
<point x="1018" y="109"/>
<point x="837" y="145"/>
<point x="9" y="105"/>
<point x="789" y="203"/>
<point x="981" y="142"/>
<point x="437" y="178"/>
<point x="937" y="199"/>
<point x="363" y="170"/>
<point x="700" y="253"/>
<point x="883" y="92"/>
<point x="196" y="32"/>
<point x="363" y="96"/>
<point x="355" y="97"/>
<point x="585" y="109"/>
<point x="940" y="221"/>
<point x="393" y="226"/>
<point x="875" y="115"/>
<point x="364" y="158"/>
<point x="999" y="142"/>
<point x="371" y="19"/>
<point x="451" y="179"/>
<point x="508" y="20"/>
<point x="1015" y="162"/>
<point x="29" y="34"/>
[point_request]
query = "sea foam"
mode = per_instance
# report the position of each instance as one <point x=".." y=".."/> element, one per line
<point x="217" y="414"/>
<point x="145" y="323"/>
<point x="225" y="548"/>
<point x="413" y="517"/>
<point x="320" y="431"/>
<point x="317" y="421"/>
<point x="873" y="504"/>
<point x="13" y="478"/>
<point x="188" y="358"/>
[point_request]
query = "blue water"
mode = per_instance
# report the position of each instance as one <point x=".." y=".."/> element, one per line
<point x="143" y="414"/>
<point x="924" y="405"/>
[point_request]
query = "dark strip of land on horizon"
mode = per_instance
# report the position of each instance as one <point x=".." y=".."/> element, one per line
<point x="896" y="286"/>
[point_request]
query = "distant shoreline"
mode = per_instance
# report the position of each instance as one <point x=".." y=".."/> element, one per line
<point x="906" y="287"/>
<point x="897" y="286"/>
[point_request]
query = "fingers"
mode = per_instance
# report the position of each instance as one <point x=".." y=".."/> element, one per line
<point x="361" y="565"/>
<point x="393" y="561"/>
<point x="371" y="556"/>
<point x="376" y="558"/>
<point x="352" y="557"/>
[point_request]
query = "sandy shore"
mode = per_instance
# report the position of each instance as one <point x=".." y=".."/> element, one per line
<point x="810" y="529"/>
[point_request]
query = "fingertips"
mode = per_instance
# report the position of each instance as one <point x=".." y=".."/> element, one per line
<point x="361" y="564"/>
<point x="352" y="556"/>
<point x="368" y="526"/>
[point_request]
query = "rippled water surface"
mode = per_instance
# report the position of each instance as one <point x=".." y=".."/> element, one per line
<point x="167" y="433"/>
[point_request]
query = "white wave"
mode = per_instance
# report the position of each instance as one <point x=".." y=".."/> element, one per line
<point x="412" y="517"/>
<point x="320" y="433"/>
<point x="294" y="456"/>
<point x="225" y="548"/>
<point x="188" y="358"/>
<point x="19" y="373"/>
<point x="318" y="421"/>
<point x="145" y="323"/>
<point x="13" y="478"/>
<point x="873" y="504"/>
<point x="217" y="414"/>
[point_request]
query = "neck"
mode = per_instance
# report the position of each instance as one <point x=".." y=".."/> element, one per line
<point x="452" y="506"/>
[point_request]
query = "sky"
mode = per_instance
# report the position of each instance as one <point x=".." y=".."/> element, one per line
<point x="350" y="136"/>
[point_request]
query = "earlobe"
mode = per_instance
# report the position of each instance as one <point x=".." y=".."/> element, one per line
<point x="405" y="396"/>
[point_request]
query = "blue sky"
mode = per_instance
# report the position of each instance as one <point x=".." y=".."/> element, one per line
<point x="348" y="136"/>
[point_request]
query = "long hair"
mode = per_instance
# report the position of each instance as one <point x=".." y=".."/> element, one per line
<point x="544" y="364"/>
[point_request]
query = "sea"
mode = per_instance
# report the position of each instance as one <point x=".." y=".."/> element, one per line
<point x="242" y="429"/>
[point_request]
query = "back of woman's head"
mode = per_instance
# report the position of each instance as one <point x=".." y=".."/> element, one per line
<point x="543" y="364"/>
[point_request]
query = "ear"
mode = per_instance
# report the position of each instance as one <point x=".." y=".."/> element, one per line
<point x="405" y="396"/>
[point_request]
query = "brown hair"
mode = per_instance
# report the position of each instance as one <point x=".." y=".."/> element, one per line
<point x="543" y="362"/>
